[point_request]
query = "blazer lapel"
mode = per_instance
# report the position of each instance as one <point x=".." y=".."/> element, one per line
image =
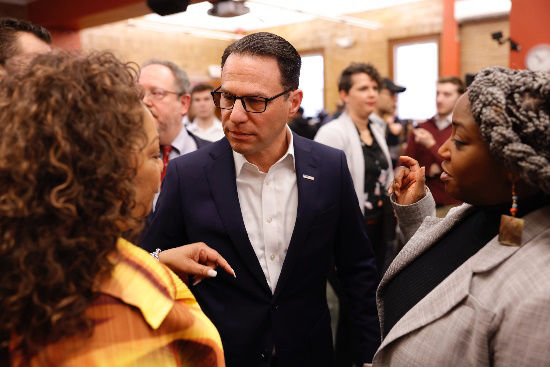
<point x="456" y="286"/>
<point x="436" y="304"/>
<point x="222" y="181"/>
<point x="429" y="232"/>
<point x="307" y="180"/>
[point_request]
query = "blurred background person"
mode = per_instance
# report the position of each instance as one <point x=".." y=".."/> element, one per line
<point x="473" y="289"/>
<point x="385" y="113"/>
<point x="166" y="95"/>
<point x="205" y="124"/>
<point x="20" y="40"/>
<point x="166" y="88"/>
<point x="78" y="167"/>
<point x="302" y="126"/>
<point x="424" y="142"/>
<point x="369" y="162"/>
<point x="366" y="151"/>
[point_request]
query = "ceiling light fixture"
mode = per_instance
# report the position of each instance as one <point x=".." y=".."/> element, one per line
<point x="228" y="8"/>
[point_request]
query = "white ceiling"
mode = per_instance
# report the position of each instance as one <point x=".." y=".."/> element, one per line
<point x="271" y="13"/>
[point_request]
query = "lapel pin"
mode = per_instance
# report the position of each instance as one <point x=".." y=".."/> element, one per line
<point x="309" y="177"/>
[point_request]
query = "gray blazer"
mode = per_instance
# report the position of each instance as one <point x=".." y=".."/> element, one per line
<point x="494" y="310"/>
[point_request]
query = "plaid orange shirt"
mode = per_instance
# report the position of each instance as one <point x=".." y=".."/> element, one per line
<point x="145" y="316"/>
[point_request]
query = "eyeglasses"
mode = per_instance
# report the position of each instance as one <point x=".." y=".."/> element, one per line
<point x="253" y="104"/>
<point x="157" y="93"/>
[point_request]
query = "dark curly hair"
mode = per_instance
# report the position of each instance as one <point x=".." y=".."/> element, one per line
<point x="68" y="126"/>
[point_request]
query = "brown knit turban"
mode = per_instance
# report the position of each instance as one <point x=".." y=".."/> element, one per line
<point x="512" y="108"/>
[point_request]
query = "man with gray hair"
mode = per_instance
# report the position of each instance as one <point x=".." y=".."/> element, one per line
<point x="166" y="94"/>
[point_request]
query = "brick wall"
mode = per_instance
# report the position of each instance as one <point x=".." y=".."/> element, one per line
<point x="194" y="54"/>
<point x="419" y="18"/>
<point x="478" y="50"/>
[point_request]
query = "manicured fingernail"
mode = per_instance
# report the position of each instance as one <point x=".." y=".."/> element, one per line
<point x="212" y="273"/>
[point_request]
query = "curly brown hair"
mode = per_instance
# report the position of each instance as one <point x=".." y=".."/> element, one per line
<point x="68" y="126"/>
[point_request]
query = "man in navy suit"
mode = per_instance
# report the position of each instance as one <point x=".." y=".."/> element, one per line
<point x="280" y="209"/>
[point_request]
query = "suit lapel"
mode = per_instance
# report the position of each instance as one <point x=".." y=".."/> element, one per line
<point x="223" y="185"/>
<point x="307" y="180"/>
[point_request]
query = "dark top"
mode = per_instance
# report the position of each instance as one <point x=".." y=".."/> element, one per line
<point x="429" y="269"/>
<point x="375" y="162"/>
<point x="302" y="127"/>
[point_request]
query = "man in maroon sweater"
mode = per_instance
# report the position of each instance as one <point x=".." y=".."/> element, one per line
<point x="425" y="140"/>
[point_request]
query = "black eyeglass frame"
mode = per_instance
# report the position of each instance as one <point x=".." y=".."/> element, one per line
<point x="266" y="100"/>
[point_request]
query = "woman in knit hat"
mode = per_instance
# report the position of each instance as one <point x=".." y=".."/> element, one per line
<point x="473" y="288"/>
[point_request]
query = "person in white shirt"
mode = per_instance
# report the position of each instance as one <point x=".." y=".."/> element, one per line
<point x="424" y="142"/>
<point x="205" y="125"/>
<point x="281" y="209"/>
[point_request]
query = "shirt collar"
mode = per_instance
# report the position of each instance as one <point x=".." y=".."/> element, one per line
<point x="240" y="160"/>
<point x="183" y="143"/>
<point x="442" y="124"/>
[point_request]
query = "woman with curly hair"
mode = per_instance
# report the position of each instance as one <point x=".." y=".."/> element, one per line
<point x="79" y="167"/>
<point x="473" y="288"/>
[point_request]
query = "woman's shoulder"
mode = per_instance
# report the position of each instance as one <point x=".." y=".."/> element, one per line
<point x="523" y="273"/>
<point x="139" y="280"/>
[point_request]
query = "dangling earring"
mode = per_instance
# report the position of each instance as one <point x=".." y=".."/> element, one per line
<point x="511" y="227"/>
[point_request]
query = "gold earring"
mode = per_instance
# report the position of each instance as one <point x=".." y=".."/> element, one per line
<point x="511" y="228"/>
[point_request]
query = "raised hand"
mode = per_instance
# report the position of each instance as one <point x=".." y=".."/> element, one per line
<point x="194" y="259"/>
<point x="409" y="184"/>
<point x="424" y="137"/>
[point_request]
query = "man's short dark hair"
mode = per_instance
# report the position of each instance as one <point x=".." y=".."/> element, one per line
<point x="460" y="86"/>
<point x="201" y="87"/>
<point x="9" y="27"/>
<point x="345" y="84"/>
<point x="271" y="45"/>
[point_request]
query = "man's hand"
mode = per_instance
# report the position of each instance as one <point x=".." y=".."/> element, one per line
<point x="424" y="137"/>
<point x="409" y="184"/>
<point x="194" y="259"/>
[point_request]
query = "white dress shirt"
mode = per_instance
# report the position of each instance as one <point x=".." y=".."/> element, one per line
<point x="269" y="202"/>
<point x="213" y="133"/>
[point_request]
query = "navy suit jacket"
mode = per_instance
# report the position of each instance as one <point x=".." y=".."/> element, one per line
<point x="199" y="202"/>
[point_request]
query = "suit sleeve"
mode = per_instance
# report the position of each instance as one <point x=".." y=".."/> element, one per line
<point x="356" y="270"/>
<point x="166" y="229"/>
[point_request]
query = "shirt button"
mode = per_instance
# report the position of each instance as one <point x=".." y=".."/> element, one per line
<point x="269" y="219"/>
<point x="272" y="257"/>
<point x="267" y="182"/>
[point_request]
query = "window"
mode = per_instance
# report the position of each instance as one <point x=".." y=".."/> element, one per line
<point x="312" y="83"/>
<point x="416" y="67"/>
